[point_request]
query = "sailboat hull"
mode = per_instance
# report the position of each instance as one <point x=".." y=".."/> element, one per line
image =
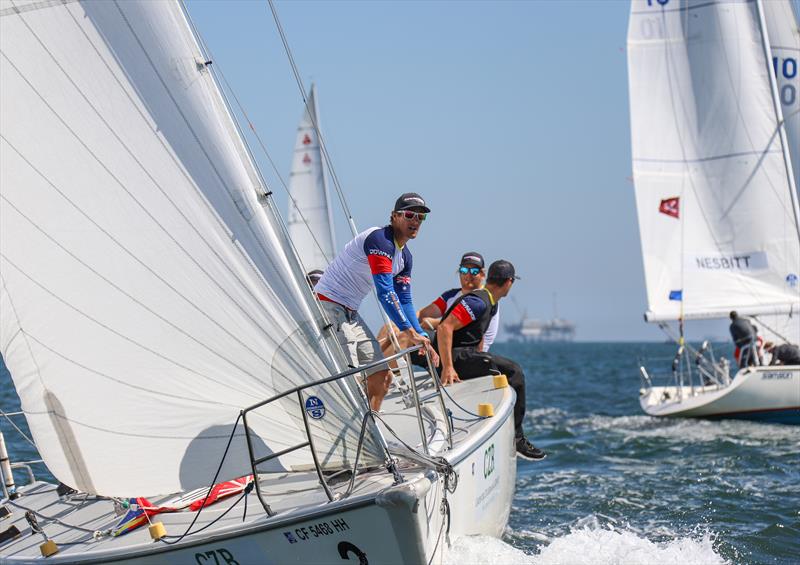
<point x="409" y="522"/>
<point x="770" y="394"/>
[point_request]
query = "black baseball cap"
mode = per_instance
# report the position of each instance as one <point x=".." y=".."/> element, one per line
<point x="314" y="275"/>
<point x="411" y="201"/>
<point x="501" y="269"/>
<point x="473" y="258"/>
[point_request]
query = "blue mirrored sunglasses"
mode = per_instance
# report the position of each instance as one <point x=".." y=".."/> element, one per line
<point x="469" y="270"/>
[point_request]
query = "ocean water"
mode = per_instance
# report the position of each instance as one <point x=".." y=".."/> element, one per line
<point x="619" y="487"/>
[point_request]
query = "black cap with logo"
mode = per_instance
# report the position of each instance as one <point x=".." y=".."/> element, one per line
<point x="501" y="270"/>
<point x="411" y="201"/>
<point x="472" y="258"/>
<point x="313" y="276"/>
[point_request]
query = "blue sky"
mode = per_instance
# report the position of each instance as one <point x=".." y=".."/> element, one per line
<point x="510" y="118"/>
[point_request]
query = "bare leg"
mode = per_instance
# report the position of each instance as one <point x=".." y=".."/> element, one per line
<point x="377" y="387"/>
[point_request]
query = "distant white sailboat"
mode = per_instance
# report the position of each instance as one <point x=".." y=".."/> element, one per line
<point x="162" y="338"/>
<point x="715" y="193"/>
<point x="310" y="219"/>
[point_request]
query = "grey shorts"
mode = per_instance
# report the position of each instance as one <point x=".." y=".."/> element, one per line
<point x="354" y="335"/>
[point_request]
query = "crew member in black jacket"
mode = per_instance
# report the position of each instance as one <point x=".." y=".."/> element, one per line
<point x="744" y="337"/>
<point x="459" y="336"/>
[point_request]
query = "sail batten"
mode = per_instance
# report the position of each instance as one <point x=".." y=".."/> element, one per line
<point x="715" y="203"/>
<point x="147" y="295"/>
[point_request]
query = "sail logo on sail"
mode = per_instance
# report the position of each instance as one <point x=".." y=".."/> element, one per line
<point x="742" y="262"/>
<point x="670" y="207"/>
<point x="315" y="408"/>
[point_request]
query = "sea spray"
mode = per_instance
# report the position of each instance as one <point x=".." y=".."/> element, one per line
<point x="588" y="546"/>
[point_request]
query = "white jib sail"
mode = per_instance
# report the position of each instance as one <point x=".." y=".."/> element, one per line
<point x="146" y="296"/>
<point x="310" y="223"/>
<point x="716" y="216"/>
<point x="784" y="40"/>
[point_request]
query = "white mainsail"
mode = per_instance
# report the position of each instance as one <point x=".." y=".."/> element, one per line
<point x="717" y="217"/>
<point x="146" y="295"/>
<point x="310" y="223"/>
<point x="783" y="31"/>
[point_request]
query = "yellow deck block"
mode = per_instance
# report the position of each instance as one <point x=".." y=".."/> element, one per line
<point x="48" y="548"/>
<point x="486" y="410"/>
<point x="157" y="530"/>
<point x="500" y="381"/>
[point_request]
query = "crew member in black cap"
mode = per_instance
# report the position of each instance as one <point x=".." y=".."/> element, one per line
<point x="460" y="333"/>
<point x="313" y="277"/>
<point x="379" y="257"/>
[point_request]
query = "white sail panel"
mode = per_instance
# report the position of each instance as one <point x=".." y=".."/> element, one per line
<point x="783" y="31"/>
<point x="146" y="297"/>
<point x="310" y="223"/>
<point x="716" y="217"/>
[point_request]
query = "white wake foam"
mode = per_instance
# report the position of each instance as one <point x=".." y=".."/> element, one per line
<point x="587" y="546"/>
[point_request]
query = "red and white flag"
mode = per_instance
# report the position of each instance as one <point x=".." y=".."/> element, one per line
<point x="670" y="207"/>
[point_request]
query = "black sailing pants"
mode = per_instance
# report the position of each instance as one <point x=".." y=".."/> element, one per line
<point x="470" y="364"/>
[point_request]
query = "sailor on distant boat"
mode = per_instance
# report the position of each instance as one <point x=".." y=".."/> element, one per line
<point x="784" y="354"/>
<point x="460" y="333"/>
<point x="744" y="337"/>
<point x="376" y="256"/>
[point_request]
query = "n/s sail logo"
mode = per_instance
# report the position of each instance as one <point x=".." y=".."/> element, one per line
<point x="315" y="408"/>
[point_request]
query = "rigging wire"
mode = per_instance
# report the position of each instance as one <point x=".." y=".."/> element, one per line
<point x="23" y="434"/>
<point x="210" y="488"/>
<point x="267" y="154"/>
<point x="322" y="145"/>
<point x="328" y="161"/>
<point x="771" y="329"/>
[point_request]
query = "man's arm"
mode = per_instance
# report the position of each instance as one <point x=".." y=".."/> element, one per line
<point x="444" y="336"/>
<point x="468" y="309"/>
<point x="379" y="251"/>
<point x="430" y="311"/>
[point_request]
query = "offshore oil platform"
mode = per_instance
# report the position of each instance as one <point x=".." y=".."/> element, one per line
<point x="533" y="330"/>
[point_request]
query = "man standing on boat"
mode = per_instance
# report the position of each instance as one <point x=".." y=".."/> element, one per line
<point x="744" y="337"/>
<point x="460" y="333"/>
<point x="376" y="256"/>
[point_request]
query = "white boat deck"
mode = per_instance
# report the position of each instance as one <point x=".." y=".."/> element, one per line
<point x="292" y="496"/>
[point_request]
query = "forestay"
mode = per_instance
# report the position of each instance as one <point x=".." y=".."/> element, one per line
<point x="147" y="295"/>
<point x="310" y="223"/>
<point x="717" y="220"/>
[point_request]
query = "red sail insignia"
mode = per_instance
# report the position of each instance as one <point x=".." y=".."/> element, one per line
<point x="670" y="207"/>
